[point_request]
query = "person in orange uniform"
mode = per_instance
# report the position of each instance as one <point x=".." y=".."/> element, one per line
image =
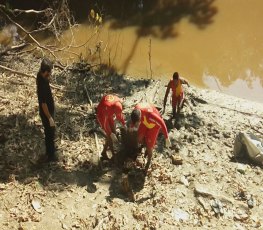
<point x="177" y="93"/>
<point x="109" y="110"/>
<point x="147" y="120"/>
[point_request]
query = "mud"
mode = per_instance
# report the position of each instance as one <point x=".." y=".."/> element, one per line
<point x="207" y="190"/>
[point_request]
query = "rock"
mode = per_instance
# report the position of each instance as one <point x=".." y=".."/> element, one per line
<point x="91" y="187"/>
<point x="184" y="181"/>
<point x="216" y="131"/>
<point x="177" y="160"/>
<point x="241" y="216"/>
<point x="216" y="135"/>
<point x="180" y="215"/>
<point x="250" y="202"/>
<point x="205" y="191"/>
<point x="247" y="144"/>
<point x="241" y="168"/>
<point x="64" y="226"/>
<point x="2" y="186"/>
<point x="226" y="134"/>
<point x="36" y="205"/>
<point x="217" y="207"/>
<point x="239" y="226"/>
<point x="191" y="138"/>
<point x="139" y="215"/>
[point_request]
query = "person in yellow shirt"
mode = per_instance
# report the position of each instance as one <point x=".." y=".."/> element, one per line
<point x="175" y="85"/>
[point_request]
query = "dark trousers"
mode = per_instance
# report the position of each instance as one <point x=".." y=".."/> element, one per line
<point x="49" y="136"/>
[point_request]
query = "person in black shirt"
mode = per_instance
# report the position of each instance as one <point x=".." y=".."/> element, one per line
<point x="46" y="107"/>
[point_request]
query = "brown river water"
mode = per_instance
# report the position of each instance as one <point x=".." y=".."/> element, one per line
<point x="215" y="44"/>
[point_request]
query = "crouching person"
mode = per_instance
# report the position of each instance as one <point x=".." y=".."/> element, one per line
<point x="109" y="110"/>
<point x="148" y="121"/>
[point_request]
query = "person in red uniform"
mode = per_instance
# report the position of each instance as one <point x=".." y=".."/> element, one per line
<point x="147" y="119"/>
<point x="109" y="110"/>
<point x="177" y="93"/>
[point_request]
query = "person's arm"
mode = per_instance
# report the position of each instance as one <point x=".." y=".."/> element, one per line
<point x="47" y="114"/>
<point x="164" y="130"/>
<point x="110" y="128"/>
<point x="184" y="81"/>
<point x="120" y="118"/>
<point x="166" y="95"/>
<point x="45" y="110"/>
<point x="160" y="122"/>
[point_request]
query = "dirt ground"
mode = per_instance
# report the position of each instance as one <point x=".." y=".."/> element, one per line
<point x="207" y="190"/>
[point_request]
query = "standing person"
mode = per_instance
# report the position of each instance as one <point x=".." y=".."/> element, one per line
<point x="177" y="93"/>
<point x="46" y="107"/>
<point x="109" y="110"/>
<point x="147" y="119"/>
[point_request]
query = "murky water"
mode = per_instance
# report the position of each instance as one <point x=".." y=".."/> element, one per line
<point x="216" y="44"/>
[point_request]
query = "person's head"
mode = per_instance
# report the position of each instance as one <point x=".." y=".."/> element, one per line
<point x="46" y="68"/>
<point x="175" y="76"/>
<point x="136" y="117"/>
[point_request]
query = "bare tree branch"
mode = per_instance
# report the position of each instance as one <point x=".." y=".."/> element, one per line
<point x="30" y="11"/>
<point x="29" y="35"/>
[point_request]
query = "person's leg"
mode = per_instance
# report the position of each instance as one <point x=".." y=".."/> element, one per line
<point x="180" y="103"/>
<point x="101" y="120"/>
<point x="50" y="143"/>
<point x="174" y="105"/>
<point x="110" y="142"/>
<point x="104" y="155"/>
<point x="149" y="158"/>
<point x="150" y="139"/>
<point x="49" y="138"/>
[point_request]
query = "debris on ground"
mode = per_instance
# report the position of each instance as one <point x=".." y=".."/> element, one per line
<point x="185" y="187"/>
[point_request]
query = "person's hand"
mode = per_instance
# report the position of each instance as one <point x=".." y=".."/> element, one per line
<point x="113" y="137"/>
<point x="51" y="122"/>
<point x="167" y="143"/>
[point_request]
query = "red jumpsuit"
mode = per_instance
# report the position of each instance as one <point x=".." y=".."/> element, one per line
<point x="151" y="123"/>
<point x="177" y="92"/>
<point x="109" y="107"/>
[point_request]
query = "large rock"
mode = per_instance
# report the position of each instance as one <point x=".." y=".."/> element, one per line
<point x="250" y="145"/>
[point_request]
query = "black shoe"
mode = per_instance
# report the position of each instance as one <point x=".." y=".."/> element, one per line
<point x="52" y="158"/>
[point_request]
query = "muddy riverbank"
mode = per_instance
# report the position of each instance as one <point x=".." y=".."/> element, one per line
<point x="207" y="190"/>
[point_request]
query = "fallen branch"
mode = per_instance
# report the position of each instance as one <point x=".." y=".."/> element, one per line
<point x="29" y="75"/>
<point x="87" y="92"/>
<point x="26" y="51"/>
<point x="31" y="11"/>
<point x="20" y="46"/>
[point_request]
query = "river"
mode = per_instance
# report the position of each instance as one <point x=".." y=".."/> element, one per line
<point x="214" y="44"/>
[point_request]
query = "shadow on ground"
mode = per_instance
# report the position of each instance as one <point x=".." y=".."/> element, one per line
<point x="85" y="85"/>
<point x="21" y="144"/>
